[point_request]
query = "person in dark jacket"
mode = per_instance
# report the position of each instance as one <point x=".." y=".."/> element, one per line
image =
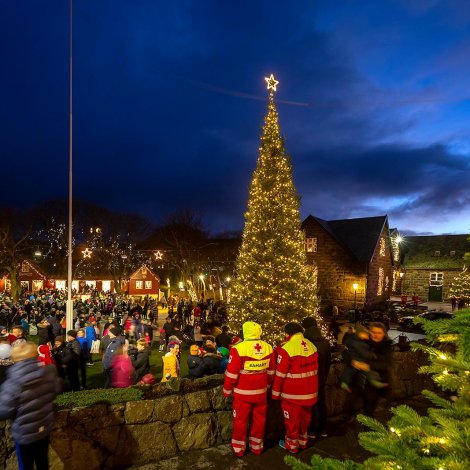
<point x="211" y="357"/>
<point x="319" y="412"/>
<point x="71" y="360"/>
<point x="57" y="350"/>
<point x="195" y="362"/>
<point x="382" y="347"/>
<point x="140" y="358"/>
<point x="44" y="332"/>
<point x="27" y="398"/>
<point x="116" y="340"/>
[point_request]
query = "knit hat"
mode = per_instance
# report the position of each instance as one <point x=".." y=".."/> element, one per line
<point x="116" y="331"/>
<point x="72" y="333"/>
<point x="23" y="351"/>
<point x="209" y="338"/>
<point x="292" y="328"/>
<point x="5" y="351"/>
<point x="194" y="350"/>
<point x="223" y="351"/>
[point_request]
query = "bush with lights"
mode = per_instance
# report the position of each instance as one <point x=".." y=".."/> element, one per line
<point x="460" y="286"/>
<point x="440" y="440"/>
<point x="273" y="284"/>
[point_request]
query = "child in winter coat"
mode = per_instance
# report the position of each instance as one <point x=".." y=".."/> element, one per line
<point x="122" y="372"/>
<point x="359" y="350"/>
<point x="171" y="366"/>
<point x="44" y="355"/>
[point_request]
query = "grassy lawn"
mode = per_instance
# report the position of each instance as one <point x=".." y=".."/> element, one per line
<point x="95" y="374"/>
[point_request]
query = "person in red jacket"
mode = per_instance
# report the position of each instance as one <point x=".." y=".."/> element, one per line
<point x="250" y="371"/>
<point x="296" y="384"/>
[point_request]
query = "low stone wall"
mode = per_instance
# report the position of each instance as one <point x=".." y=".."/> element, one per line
<point x="165" y="422"/>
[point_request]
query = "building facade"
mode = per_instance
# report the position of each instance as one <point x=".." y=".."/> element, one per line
<point x="353" y="260"/>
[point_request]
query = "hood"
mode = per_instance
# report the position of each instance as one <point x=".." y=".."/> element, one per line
<point x="251" y="330"/>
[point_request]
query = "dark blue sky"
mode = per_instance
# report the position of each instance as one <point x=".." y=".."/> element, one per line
<point x="169" y="97"/>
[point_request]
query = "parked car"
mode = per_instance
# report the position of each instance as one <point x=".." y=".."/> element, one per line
<point x="407" y="323"/>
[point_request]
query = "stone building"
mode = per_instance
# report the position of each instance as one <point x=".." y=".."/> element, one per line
<point x="353" y="260"/>
<point x="430" y="263"/>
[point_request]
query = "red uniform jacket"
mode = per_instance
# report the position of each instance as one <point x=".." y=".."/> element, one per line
<point x="250" y="370"/>
<point x="296" y="377"/>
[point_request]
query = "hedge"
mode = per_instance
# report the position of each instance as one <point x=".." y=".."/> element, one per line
<point x="109" y="396"/>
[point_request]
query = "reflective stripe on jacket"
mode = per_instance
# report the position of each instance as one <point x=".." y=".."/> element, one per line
<point x="296" y="377"/>
<point x="250" y="371"/>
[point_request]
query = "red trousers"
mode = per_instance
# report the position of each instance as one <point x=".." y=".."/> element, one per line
<point x="244" y="413"/>
<point x="296" y="422"/>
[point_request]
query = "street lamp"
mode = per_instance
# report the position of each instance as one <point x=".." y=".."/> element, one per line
<point x="355" y="286"/>
<point x="201" y="278"/>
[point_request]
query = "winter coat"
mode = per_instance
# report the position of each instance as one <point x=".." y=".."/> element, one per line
<point x="44" y="334"/>
<point x="211" y="363"/>
<point x="111" y="349"/>
<point x="141" y="363"/>
<point x="359" y="350"/>
<point x="5" y="364"/>
<point x="171" y="366"/>
<point x="90" y="335"/>
<point x="196" y="366"/>
<point x="26" y="396"/>
<point x="70" y="356"/>
<point x="122" y="372"/>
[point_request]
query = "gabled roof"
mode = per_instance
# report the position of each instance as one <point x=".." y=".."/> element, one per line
<point x="420" y="251"/>
<point x="358" y="236"/>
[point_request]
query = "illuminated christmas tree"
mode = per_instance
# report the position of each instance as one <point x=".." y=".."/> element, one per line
<point x="460" y="286"/>
<point x="274" y="284"/>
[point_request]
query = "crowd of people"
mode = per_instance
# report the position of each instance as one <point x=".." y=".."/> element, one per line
<point x="123" y="332"/>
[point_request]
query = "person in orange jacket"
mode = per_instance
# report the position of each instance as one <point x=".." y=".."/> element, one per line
<point x="249" y="373"/>
<point x="296" y="384"/>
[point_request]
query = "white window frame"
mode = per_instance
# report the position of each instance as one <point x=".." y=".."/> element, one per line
<point x="436" y="279"/>
<point x="148" y="285"/>
<point x="139" y="285"/>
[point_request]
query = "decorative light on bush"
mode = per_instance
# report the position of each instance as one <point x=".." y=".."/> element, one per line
<point x="87" y="253"/>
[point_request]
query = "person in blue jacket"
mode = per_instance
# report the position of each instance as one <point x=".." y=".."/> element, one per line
<point x="27" y="397"/>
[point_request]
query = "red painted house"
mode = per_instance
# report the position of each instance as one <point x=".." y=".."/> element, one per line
<point x="142" y="282"/>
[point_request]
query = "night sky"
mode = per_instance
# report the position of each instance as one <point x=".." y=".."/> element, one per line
<point x="169" y="99"/>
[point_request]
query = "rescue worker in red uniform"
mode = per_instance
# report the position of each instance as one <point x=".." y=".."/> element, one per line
<point x="250" y="370"/>
<point x="296" y="384"/>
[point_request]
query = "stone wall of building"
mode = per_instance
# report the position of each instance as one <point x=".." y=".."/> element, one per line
<point x="417" y="281"/>
<point x="337" y="270"/>
<point x="166" y="423"/>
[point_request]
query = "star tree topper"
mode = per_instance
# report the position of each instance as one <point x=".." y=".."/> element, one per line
<point x="272" y="83"/>
<point x="87" y="253"/>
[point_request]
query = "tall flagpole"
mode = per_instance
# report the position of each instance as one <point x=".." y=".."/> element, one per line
<point x="69" y="305"/>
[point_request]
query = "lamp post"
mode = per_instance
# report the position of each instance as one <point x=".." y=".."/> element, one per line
<point x="201" y="278"/>
<point x="355" y="286"/>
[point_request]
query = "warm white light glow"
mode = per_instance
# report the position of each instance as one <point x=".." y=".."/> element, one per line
<point x="87" y="253"/>
<point x="158" y="255"/>
<point x="355" y="286"/>
<point x="398" y="239"/>
<point x="272" y="82"/>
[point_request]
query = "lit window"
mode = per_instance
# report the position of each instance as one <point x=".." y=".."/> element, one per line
<point x="437" y="253"/>
<point x="380" y="286"/>
<point x="452" y="253"/>
<point x="436" y="279"/>
<point x="24" y="267"/>
<point x="311" y="245"/>
<point x="382" y="247"/>
<point x="139" y="284"/>
<point x="148" y="284"/>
